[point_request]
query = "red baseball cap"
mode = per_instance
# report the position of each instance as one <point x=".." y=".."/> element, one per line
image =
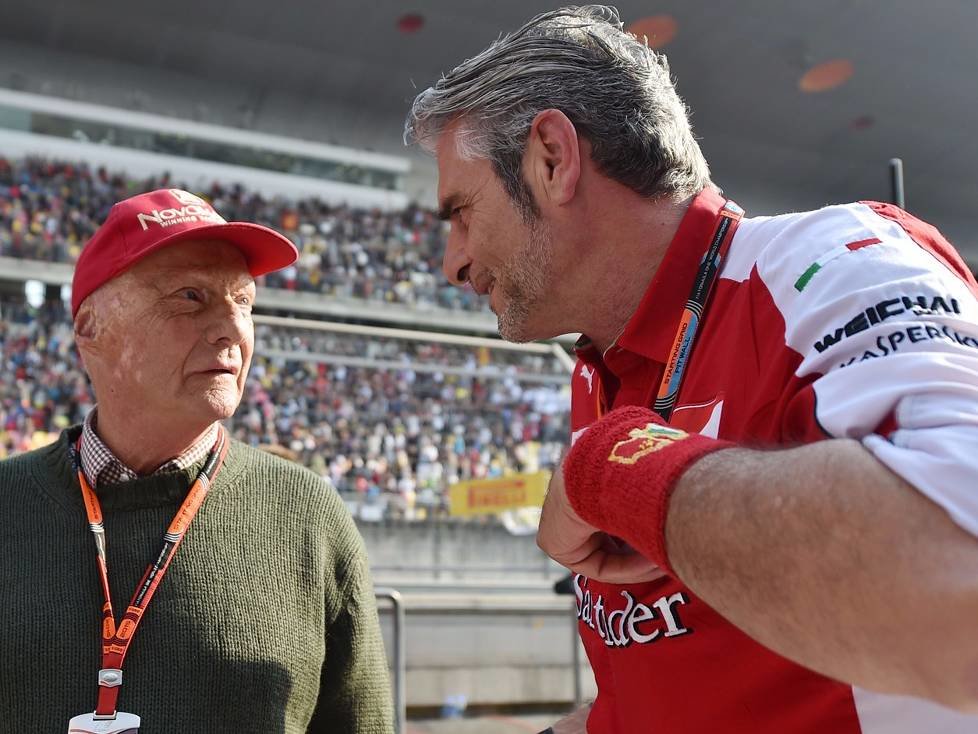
<point x="142" y="224"/>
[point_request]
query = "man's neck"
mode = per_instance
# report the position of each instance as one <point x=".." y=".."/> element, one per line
<point x="141" y="447"/>
<point x="626" y="253"/>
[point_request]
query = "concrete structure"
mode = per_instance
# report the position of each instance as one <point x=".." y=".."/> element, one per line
<point x="494" y="652"/>
<point x="342" y="73"/>
<point x="444" y="550"/>
<point x="482" y="620"/>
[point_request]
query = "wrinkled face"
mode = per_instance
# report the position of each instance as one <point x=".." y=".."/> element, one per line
<point x="491" y="245"/>
<point x="174" y="334"/>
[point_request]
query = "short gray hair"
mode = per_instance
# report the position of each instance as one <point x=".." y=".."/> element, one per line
<point x="614" y="89"/>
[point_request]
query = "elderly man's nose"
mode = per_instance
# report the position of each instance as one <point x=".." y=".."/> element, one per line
<point x="231" y="325"/>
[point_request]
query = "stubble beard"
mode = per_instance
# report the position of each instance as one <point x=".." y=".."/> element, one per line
<point x="524" y="280"/>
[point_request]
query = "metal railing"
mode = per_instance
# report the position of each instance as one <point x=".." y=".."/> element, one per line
<point x="444" y="610"/>
<point x="400" y="669"/>
<point x="547" y="569"/>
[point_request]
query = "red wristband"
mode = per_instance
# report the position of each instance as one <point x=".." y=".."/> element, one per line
<point x="621" y="472"/>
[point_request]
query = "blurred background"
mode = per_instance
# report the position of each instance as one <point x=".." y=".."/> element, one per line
<point x="370" y="369"/>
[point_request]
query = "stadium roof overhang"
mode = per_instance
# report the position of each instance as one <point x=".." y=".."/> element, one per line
<point x="911" y="93"/>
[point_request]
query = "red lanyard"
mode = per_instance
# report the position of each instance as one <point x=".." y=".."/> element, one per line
<point x="116" y="640"/>
<point x="694" y="312"/>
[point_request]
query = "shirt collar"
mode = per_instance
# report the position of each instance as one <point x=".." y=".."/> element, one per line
<point x="651" y="329"/>
<point x="101" y="466"/>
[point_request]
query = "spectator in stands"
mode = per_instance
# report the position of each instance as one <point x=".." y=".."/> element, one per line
<point x="401" y="428"/>
<point x="266" y="621"/>
<point x="843" y="341"/>
<point x="48" y="209"/>
<point x="507" y="421"/>
<point x="43" y="390"/>
<point x="317" y="410"/>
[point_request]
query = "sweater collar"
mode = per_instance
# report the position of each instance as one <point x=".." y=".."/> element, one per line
<point x="102" y="466"/>
<point x="57" y="478"/>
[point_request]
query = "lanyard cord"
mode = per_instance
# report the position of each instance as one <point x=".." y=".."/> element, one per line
<point x="116" y="640"/>
<point x="694" y="311"/>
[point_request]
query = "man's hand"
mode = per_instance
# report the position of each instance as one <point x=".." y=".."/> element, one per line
<point x="582" y="548"/>
<point x="575" y="723"/>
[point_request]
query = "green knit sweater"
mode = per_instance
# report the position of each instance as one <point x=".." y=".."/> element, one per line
<point x="265" y="622"/>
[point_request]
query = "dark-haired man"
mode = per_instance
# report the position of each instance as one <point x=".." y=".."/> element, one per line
<point x="772" y="497"/>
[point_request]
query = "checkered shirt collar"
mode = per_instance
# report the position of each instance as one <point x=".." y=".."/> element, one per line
<point x="102" y="467"/>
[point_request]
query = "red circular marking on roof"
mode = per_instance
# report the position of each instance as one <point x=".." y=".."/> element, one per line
<point x="659" y="29"/>
<point x="410" y="23"/>
<point x="863" y="122"/>
<point x="823" y="77"/>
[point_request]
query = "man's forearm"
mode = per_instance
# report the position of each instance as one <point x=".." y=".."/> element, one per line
<point x="828" y="558"/>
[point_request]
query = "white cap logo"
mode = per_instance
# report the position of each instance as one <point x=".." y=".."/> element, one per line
<point x="192" y="209"/>
<point x="186" y="198"/>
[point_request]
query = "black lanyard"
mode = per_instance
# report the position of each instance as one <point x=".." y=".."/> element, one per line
<point x="694" y="312"/>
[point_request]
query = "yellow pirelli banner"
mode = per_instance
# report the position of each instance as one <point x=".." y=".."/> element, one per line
<point x="489" y="496"/>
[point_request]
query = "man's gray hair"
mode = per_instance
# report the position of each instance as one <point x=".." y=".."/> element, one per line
<point x="614" y="89"/>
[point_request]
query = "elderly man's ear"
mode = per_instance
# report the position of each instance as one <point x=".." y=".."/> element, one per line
<point x="85" y="327"/>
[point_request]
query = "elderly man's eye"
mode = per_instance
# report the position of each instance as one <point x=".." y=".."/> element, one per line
<point x="191" y="294"/>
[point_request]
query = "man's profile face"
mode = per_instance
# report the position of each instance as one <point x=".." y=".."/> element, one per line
<point x="502" y="255"/>
<point x="175" y="334"/>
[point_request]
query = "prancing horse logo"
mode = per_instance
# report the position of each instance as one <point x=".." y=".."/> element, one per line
<point x="644" y="441"/>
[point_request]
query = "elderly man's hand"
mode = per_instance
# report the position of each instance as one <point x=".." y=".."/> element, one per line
<point x="582" y="548"/>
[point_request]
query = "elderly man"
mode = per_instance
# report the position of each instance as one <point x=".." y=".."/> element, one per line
<point x="772" y="501"/>
<point x="251" y="605"/>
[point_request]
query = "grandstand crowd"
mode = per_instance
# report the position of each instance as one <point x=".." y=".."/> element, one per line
<point x="391" y="422"/>
<point x="49" y="209"/>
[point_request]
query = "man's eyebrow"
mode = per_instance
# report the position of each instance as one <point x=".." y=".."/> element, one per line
<point x="178" y="273"/>
<point x="447" y="206"/>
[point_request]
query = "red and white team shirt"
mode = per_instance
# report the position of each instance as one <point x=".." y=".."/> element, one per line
<point x="855" y="321"/>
